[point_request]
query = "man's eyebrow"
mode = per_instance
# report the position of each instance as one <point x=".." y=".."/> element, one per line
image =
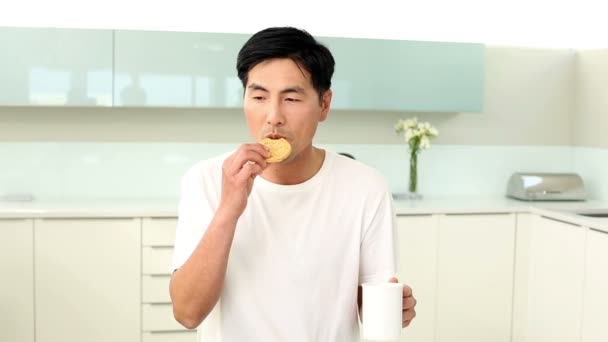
<point x="294" y="89"/>
<point x="255" y="86"/>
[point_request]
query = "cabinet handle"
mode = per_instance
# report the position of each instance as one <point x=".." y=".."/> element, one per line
<point x="160" y="332"/>
<point x="157" y="275"/>
<point x="599" y="231"/>
<point x="160" y="246"/>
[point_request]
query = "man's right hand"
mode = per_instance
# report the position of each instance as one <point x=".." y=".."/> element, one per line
<point x="238" y="173"/>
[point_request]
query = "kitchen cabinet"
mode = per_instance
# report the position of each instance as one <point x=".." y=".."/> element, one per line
<point x="475" y="277"/>
<point x="158" y="323"/>
<point x="88" y="280"/>
<point x="555" y="281"/>
<point x="525" y="223"/>
<point x="55" y="66"/>
<point x="181" y="69"/>
<point x="17" y="286"/>
<point x="418" y="268"/>
<point x="595" y="317"/>
<point x="123" y="68"/>
<point x="177" y="69"/>
<point x="397" y="75"/>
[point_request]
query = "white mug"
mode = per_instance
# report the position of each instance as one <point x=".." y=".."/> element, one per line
<point x="382" y="309"/>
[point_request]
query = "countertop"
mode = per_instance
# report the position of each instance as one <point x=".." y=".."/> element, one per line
<point x="560" y="210"/>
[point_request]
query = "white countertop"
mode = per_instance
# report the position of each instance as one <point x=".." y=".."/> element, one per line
<point x="90" y="208"/>
<point x="429" y="205"/>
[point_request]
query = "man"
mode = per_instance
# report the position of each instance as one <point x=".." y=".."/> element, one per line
<point x="278" y="251"/>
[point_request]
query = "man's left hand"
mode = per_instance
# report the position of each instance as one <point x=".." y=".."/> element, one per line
<point x="409" y="304"/>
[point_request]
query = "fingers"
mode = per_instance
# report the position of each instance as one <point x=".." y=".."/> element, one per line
<point x="407" y="291"/>
<point x="409" y="306"/>
<point x="244" y="157"/>
<point x="409" y="303"/>
<point x="409" y="311"/>
<point x="408" y="316"/>
<point x="249" y="170"/>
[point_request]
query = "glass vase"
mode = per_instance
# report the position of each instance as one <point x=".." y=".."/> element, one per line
<point x="412" y="187"/>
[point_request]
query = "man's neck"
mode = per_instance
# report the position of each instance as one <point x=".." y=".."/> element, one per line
<point x="298" y="170"/>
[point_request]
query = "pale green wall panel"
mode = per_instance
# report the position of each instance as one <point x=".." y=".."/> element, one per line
<point x="177" y="69"/>
<point x="52" y="66"/>
<point x="375" y="74"/>
<point x="186" y="69"/>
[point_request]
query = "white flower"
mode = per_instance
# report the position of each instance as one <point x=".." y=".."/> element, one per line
<point x="425" y="143"/>
<point x="399" y="126"/>
<point x="417" y="134"/>
<point x="409" y="134"/>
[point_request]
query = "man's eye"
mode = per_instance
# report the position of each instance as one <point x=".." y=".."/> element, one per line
<point x="291" y="99"/>
<point x="258" y="98"/>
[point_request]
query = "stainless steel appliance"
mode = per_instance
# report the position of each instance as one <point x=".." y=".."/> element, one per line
<point x="542" y="186"/>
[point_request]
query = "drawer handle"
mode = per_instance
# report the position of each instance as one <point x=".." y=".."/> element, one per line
<point x="160" y="303"/>
<point x="158" y="275"/>
<point x="160" y="246"/>
<point x="168" y="274"/>
<point x="160" y="332"/>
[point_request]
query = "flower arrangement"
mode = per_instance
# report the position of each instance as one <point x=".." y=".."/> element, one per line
<point x="417" y="135"/>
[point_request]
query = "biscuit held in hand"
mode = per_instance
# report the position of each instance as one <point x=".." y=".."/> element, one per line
<point x="279" y="149"/>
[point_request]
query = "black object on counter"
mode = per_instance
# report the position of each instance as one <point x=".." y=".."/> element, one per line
<point x="347" y="155"/>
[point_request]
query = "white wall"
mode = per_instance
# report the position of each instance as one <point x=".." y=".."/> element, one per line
<point x="591" y="121"/>
<point x="592" y="98"/>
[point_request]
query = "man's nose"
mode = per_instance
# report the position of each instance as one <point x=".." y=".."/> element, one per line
<point x="274" y="116"/>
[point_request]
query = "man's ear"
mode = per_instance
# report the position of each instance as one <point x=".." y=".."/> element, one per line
<point x="325" y="104"/>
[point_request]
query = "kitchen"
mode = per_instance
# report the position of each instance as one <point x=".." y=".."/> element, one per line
<point x="116" y="169"/>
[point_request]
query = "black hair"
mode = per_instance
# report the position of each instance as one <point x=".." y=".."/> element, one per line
<point x="288" y="42"/>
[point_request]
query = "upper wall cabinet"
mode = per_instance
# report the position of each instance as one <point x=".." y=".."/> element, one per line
<point x="395" y="75"/>
<point x="186" y="69"/>
<point x="55" y="67"/>
<point x="177" y="69"/>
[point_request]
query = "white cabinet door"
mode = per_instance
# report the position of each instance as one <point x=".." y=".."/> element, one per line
<point x="17" y="285"/>
<point x="595" y="314"/>
<point x="555" y="281"/>
<point x="417" y="268"/>
<point x="55" y="66"/>
<point x="525" y="222"/>
<point x="88" y="280"/>
<point x="475" y="277"/>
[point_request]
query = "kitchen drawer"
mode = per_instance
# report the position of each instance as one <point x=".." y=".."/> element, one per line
<point x="158" y="231"/>
<point x="157" y="260"/>
<point x="170" y="336"/>
<point x="159" y="317"/>
<point x="155" y="289"/>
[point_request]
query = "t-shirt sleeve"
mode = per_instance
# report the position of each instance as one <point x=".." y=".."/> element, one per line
<point x="194" y="215"/>
<point x="379" y="252"/>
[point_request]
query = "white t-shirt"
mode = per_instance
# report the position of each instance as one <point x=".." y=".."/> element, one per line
<point x="299" y="252"/>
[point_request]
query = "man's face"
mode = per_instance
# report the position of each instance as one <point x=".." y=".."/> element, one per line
<point x="280" y="101"/>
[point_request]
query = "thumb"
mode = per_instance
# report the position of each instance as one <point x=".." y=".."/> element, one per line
<point x="393" y="280"/>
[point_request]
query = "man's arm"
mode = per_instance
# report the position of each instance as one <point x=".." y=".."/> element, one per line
<point x="196" y="286"/>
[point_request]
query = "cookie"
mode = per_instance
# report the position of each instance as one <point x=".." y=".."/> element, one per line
<point x="279" y="149"/>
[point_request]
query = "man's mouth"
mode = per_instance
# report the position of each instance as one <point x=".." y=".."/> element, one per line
<point x="275" y="136"/>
